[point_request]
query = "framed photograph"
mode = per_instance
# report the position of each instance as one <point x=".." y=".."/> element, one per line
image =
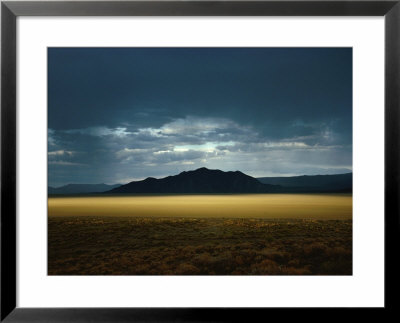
<point x="195" y="160"/>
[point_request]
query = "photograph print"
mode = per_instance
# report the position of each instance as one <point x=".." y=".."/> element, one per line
<point x="200" y="161"/>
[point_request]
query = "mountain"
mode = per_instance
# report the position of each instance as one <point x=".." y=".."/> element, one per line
<point x="201" y="180"/>
<point x="208" y="181"/>
<point x="313" y="183"/>
<point x="81" y="188"/>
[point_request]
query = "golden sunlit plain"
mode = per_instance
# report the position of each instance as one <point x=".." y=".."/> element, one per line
<point x="296" y="206"/>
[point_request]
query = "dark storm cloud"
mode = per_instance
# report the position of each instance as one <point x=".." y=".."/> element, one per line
<point x="123" y="114"/>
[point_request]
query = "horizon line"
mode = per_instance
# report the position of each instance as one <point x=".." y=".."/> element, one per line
<point x="138" y="180"/>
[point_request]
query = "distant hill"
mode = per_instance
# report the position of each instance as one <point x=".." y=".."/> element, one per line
<point x="207" y="181"/>
<point x="81" y="188"/>
<point x="312" y="183"/>
<point x="201" y="180"/>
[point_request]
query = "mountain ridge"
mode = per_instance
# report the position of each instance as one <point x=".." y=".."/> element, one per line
<point x="313" y="183"/>
<point x="201" y="180"/>
<point x="207" y="181"/>
<point x="81" y="188"/>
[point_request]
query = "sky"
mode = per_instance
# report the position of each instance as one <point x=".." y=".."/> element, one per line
<point x="121" y="114"/>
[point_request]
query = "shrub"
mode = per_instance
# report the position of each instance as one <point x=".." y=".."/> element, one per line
<point x="187" y="269"/>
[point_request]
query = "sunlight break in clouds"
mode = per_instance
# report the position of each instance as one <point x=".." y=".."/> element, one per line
<point x="100" y="131"/>
<point x="194" y="142"/>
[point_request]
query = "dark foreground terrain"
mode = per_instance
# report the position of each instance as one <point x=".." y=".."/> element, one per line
<point x="191" y="246"/>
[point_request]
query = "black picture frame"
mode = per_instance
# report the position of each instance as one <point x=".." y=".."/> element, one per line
<point x="10" y="10"/>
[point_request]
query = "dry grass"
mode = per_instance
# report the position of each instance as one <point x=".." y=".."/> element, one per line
<point x="294" y="206"/>
<point x="104" y="245"/>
